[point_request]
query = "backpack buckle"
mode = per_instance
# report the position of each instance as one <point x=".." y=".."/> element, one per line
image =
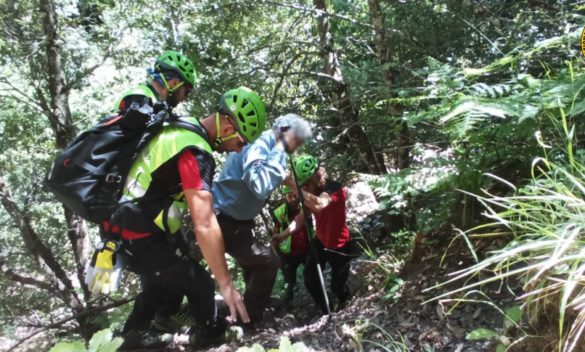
<point x="113" y="178"/>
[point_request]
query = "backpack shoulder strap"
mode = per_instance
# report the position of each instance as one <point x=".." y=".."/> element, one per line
<point x="192" y="134"/>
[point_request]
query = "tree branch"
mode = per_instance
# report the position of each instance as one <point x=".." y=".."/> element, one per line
<point x="318" y="12"/>
<point x="33" y="242"/>
<point x="84" y="313"/>
<point x="24" y="280"/>
<point x="23" y="96"/>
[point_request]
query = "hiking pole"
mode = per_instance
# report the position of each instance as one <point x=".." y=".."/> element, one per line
<point x="310" y="233"/>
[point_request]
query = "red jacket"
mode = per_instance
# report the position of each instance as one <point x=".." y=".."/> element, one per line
<point x="331" y="228"/>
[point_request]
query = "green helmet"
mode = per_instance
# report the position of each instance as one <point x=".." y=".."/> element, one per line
<point x="286" y="190"/>
<point x="305" y="167"/>
<point x="175" y="61"/>
<point x="247" y="109"/>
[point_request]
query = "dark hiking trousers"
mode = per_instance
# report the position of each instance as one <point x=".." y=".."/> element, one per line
<point x="290" y="264"/>
<point x="166" y="276"/>
<point x="259" y="262"/>
<point x="340" y="262"/>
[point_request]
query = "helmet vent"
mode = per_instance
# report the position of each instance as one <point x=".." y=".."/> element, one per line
<point x="241" y="117"/>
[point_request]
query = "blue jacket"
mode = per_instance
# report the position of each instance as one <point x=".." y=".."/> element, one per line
<point x="248" y="178"/>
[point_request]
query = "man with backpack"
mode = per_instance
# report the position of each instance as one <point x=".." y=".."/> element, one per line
<point x="170" y="81"/>
<point x="239" y="194"/>
<point x="137" y="171"/>
<point x="332" y="244"/>
<point x="291" y="241"/>
<point x="173" y="172"/>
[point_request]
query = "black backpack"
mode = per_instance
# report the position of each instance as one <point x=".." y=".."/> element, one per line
<point x="88" y="176"/>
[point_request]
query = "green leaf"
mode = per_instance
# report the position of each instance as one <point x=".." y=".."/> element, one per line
<point x="285" y="345"/>
<point x="76" y="346"/>
<point x="501" y="348"/>
<point x="99" y="339"/>
<point x="255" y="348"/>
<point x="513" y="315"/>
<point x="111" y="346"/>
<point x="481" y="334"/>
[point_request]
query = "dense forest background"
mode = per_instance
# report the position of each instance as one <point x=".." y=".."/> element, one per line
<point x="465" y="117"/>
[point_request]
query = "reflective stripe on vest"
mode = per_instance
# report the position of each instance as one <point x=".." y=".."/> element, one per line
<point x="141" y="89"/>
<point x="162" y="148"/>
<point x="281" y="215"/>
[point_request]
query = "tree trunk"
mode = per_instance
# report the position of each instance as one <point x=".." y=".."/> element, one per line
<point x="60" y="114"/>
<point x="402" y="142"/>
<point x="62" y="124"/>
<point x="340" y="95"/>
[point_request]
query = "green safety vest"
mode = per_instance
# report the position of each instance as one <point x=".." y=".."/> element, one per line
<point x="281" y="215"/>
<point x="163" y="147"/>
<point x="166" y="145"/>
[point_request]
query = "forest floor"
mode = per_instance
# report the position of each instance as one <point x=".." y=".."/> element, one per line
<point x="379" y="320"/>
<point x="386" y="312"/>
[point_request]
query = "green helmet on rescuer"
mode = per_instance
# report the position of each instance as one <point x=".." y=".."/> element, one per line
<point x="172" y="60"/>
<point x="247" y="110"/>
<point x="305" y="167"/>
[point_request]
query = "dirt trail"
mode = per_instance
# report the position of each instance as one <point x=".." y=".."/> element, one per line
<point x="375" y="322"/>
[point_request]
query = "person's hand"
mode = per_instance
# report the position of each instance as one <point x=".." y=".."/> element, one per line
<point x="277" y="238"/>
<point x="234" y="301"/>
<point x="275" y="241"/>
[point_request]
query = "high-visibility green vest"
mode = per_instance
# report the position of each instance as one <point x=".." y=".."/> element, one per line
<point x="281" y="215"/>
<point x="166" y="145"/>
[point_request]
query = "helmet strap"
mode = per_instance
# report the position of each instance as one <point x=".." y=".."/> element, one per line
<point x="170" y="89"/>
<point x="219" y="140"/>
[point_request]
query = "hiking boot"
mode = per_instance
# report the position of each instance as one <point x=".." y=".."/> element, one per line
<point x="142" y="340"/>
<point x="172" y="323"/>
<point x="212" y="333"/>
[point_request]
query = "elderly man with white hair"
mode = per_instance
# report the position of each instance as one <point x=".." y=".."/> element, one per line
<point x="239" y="194"/>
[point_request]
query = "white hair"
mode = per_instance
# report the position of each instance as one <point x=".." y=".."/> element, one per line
<point x="300" y="127"/>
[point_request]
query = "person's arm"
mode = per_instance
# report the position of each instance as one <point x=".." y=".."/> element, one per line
<point x="297" y="224"/>
<point x="210" y="240"/>
<point x="317" y="203"/>
<point x="264" y="167"/>
<point x="196" y="172"/>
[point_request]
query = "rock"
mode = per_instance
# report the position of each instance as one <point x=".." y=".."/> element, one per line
<point x="477" y="313"/>
<point x="361" y="203"/>
<point x="439" y="310"/>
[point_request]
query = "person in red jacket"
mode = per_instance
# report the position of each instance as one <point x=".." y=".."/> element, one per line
<point x="326" y="199"/>
<point x="291" y="242"/>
